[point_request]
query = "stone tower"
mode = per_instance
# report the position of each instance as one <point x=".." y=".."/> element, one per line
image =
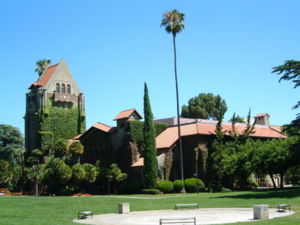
<point x="54" y="108"/>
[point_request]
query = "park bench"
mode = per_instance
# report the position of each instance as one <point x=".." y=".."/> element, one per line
<point x="181" y="221"/>
<point x="84" y="214"/>
<point x="283" y="207"/>
<point x="193" y="205"/>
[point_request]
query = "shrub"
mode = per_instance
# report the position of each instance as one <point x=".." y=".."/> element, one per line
<point x="165" y="186"/>
<point x="178" y="185"/>
<point x="151" y="191"/>
<point x="78" y="173"/>
<point x="130" y="187"/>
<point x="194" y="185"/>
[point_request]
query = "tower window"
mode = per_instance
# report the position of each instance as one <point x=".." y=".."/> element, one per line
<point x="63" y="88"/>
<point x="69" y="89"/>
<point x="57" y="88"/>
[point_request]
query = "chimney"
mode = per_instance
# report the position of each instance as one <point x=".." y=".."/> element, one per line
<point x="262" y="119"/>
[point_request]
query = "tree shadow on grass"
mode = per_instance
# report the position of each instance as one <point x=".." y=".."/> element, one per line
<point x="263" y="194"/>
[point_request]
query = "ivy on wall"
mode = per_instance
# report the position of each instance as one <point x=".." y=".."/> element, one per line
<point x="135" y="129"/>
<point x="59" y="123"/>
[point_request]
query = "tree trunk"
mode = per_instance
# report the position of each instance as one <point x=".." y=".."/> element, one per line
<point x="178" y="117"/>
<point x="272" y="178"/>
<point x="36" y="188"/>
<point x="281" y="180"/>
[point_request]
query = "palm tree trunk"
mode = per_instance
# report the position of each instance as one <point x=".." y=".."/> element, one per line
<point x="178" y="117"/>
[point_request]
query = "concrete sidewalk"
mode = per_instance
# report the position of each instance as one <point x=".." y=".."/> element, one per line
<point x="203" y="216"/>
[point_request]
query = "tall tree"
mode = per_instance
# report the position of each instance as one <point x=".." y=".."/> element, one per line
<point x="172" y="21"/>
<point x="42" y="65"/>
<point x="290" y="70"/>
<point x="204" y="106"/>
<point x="12" y="154"/>
<point x="150" y="169"/>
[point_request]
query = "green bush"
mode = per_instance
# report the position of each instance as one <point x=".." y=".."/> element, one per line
<point x="178" y="185"/>
<point x="151" y="191"/>
<point x="78" y="173"/>
<point x="194" y="185"/>
<point x="130" y="187"/>
<point x="165" y="186"/>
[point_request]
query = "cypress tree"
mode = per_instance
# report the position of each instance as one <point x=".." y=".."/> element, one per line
<point x="150" y="169"/>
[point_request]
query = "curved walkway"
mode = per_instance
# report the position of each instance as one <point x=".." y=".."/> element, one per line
<point x="203" y="216"/>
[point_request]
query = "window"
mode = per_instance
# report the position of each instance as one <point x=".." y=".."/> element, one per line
<point x="57" y="88"/>
<point x="63" y="88"/>
<point x="69" y="89"/>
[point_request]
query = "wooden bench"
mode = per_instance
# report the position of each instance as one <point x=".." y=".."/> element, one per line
<point x="283" y="207"/>
<point x="193" y="205"/>
<point x="84" y="214"/>
<point x="182" y="221"/>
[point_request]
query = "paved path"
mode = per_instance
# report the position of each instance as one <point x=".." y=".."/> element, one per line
<point x="203" y="216"/>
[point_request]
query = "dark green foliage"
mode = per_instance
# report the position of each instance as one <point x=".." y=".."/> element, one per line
<point x="60" y="147"/>
<point x="134" y="129"/>
<point x="57" y="122"/>
<point x="237" y="119"/>
<point x="178" y="185"/>
<point x="165" y="186"/>
<point x="11" y="143"/>
<point x="194" y="185"/>
<point x="91" y="172"/>
<point x="150" y="191"/>
<point x="204" y="106"/>
<point x="42" y="65"/>
<point x="10" y="174"/>
<point x="130" y="187"/>
<point x="78" y="173"/>
<point x="290" y="70"/>
<point x="56" y="172"/>
<point x="150" y="169"/>
<point x="76" y="148"/>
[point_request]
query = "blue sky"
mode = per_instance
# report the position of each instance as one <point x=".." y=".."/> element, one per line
<point x="112" y="47"/>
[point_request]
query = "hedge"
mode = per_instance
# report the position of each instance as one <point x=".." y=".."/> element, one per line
<point x="194" y="185"/>
<point x="165" y="186"/>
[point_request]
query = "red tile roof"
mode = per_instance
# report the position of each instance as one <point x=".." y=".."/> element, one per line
<point x="43" y="80"/>
<point x="102" y="127"/>
<point x="261" y="114"/>
<point x="169" y="137"/>
<point x="126" y="114"/>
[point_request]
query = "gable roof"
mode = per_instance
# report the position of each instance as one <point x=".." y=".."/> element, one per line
<point x="169" y="136"/>
<point x="103" y="127"/>
<point x="98" y="126"/>
<point x="127" y="113"/>
<point x="44" y="78"/>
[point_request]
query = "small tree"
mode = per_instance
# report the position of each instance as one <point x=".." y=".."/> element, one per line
<point x="204" y="106"/>
<point x="42" y="65"/>
<point x="150" y="169"/>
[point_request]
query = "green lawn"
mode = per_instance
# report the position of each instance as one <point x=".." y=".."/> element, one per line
<point x="28" y="210"/>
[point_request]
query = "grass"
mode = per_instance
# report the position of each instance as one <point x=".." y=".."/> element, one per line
<point x="29" y="210"/>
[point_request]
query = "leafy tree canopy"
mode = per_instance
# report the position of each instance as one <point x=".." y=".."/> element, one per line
<point x="11" y="143"/>
<point x="290" y="70"/>
<point x="41" y="65"/>
<point x="204" y="106"/>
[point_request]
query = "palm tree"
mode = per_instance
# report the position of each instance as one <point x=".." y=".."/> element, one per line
<point x="172" y="21"/>
<point x="42" y="65"/>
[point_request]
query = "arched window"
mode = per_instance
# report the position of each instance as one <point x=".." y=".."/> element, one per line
<point x="57" y="88"/>
<point x="69" y="89"/>
<point x="63" y="88"/>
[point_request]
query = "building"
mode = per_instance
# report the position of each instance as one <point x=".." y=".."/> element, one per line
<point x="114" y="144"/>
<point x="54" y="108"/>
